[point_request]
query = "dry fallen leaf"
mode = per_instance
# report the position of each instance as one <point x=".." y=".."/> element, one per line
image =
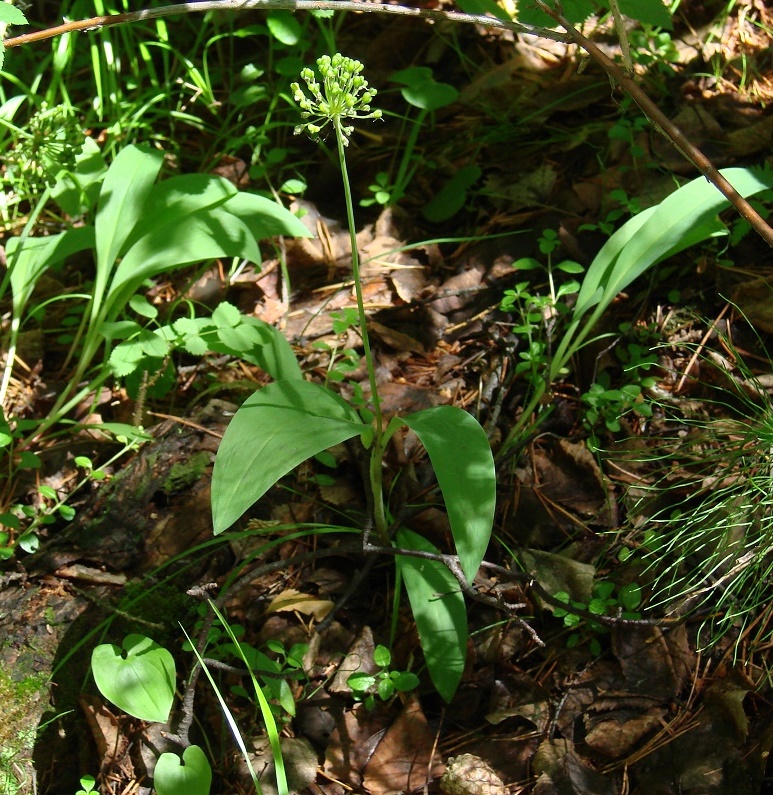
<point x="403" y="760"/>
<point x="296" y="602"/>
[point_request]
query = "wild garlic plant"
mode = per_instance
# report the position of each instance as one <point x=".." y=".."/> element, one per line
<point x="344" y="95"/>
<point x="291" y="420"/>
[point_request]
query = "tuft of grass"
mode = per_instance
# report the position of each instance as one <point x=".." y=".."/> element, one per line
<point x="708" y="545"/>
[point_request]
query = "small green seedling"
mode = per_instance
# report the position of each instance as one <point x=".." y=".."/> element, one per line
<point x="88" y="785"/>
<point x="20" y="522"/>
<point x="139" y="678"/>
<point x="274" y="674"/>
<point x="384" y="684"/>
<point x="422" y="91"/>
<point x="604" y="602"/>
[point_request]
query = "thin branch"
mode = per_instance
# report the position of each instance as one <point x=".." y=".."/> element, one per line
<point x="290" y="5"/>
<point x="659" y="120"/>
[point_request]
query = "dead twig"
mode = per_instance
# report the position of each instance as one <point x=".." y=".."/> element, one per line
<point x="291" y="5"/>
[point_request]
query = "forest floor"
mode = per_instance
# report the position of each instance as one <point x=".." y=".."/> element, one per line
<point x="547" y="703"/>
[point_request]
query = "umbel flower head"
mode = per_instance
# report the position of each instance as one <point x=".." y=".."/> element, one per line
<point x="344" y="94"/>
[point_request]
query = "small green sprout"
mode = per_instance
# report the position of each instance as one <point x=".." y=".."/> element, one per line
<point x="88" y="784"/>
<point x="344" y="94"/>
<point x="385" y="683"/>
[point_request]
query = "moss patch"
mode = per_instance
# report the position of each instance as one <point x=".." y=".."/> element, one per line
<point x="20" y="708"/>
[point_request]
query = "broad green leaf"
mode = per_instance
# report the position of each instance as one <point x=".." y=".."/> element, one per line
<point x="143" y="307"/>
<point x="241" y="339"/>
<point x="275" y="356"/>
<point x="171" y="201"/>
<point x="600" y="272"/>
<point x="264" y="217"/>
<point x="6" y="435"/>
<point x="153" y="344"/>
<point x="648" y="12"/>
<point x="461" y="457"/>
<point x="575" y="11"/>
<point x="683" y="219"/>
<point x="284" y="27"/>
<point x="421" y="90"/>
<point x="120" y="329"/>
<point x="204" y="235"/>
<point x="439" y="611"/>
<point x="670" y="228"/>
<point x="139" y="679"/>
<point x="11" y="15"/>
<point x="190" y="776"/>
<point x="125" y="358"/>
<point x="38" y="254"/>
<point x="195" y="345"/>
<point x="277" y="428"/>
<point x="125" y="188"/>
<point x="226" y="315"/>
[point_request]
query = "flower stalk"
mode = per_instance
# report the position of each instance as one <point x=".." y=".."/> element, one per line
<point x="344" y="95"/>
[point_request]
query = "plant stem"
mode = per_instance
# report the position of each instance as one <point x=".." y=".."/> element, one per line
<point x="377" y="453"/>
<point x="402" y="172"/>
<point x="19" y="298"/>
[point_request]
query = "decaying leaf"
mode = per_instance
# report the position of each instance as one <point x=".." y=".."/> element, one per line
<point x="403" y="760"/>
<point x="294" y="601"/>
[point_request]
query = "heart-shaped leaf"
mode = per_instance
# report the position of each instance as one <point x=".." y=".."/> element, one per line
<point x="139" y="679"/>
<point x="190" y="775"/>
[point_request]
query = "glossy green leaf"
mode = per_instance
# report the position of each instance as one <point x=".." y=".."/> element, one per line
<point x="576" y="11"/>
<point x="275" y="356"/>
<point x="439" y="611"/>
<point x="205" y="235"/>
<point x="277" y="428"/>
<point x="687" y="217"/>
<point x="171" y="201"/>
<point x="648" y="12"/>
<point x="683" y="219"/>
<point x="37" y="255"/>
<point x="6" y="435"/>
<point x="284" y="27"/>
<point x="139" y="678"/>
<point x="461" y="457"/>
<point x="11" y="15"/>
<point x="264" y="217"/>
<point x="125" y="188"/>
<point x="190" y="775"/>
<point x="422" y="90"/>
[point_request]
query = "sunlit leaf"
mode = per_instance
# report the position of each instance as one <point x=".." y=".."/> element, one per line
<point x="461" y="457"/>
<point x="190" y="776"/>
<point x="138" y="678"/>
<point x="276" y="429"/>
